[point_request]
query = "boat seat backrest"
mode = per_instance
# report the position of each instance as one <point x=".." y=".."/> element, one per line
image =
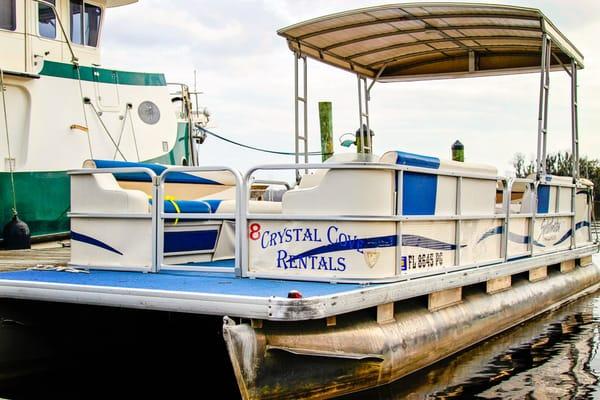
<point x="344" y="192"/>
<point x="102" y="193"/>
<point x="434" y="194"/>
<point x="548" y="193"/>
<point x="180" y="185"/>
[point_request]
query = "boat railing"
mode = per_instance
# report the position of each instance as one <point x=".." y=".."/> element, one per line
<point x="162" y="216"/>
<point x="243" y="216"/>
<point x="506" y="216"/>
<point x="151" y="214"/>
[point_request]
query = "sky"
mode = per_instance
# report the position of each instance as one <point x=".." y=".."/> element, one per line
<point x="246" y="74"/>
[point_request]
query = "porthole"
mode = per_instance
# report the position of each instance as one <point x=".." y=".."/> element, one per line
<point x="149" y="112"/>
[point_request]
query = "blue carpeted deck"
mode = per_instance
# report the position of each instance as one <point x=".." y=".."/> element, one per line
<point x="181" y="281"/>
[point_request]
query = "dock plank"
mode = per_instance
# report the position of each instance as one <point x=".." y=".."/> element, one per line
<point x="15" y="260"/>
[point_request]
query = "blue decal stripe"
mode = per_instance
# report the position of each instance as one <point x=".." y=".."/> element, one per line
<point x="356" y="244"/>
<point x="494" y="231"/>
<point x="426" y="243"/>
<point x="377" y="242"/>
<point x="94" y="242"/>
<point x="513" y="237"/>
<point x="578" y="226"/>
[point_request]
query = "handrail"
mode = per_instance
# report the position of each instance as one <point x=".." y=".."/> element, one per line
<point x="121" y="170"/>
<point x="74" y="59"/>
<point x="506" y="216"/>
<point x="241" y="214"/>
<point x="153" y="207"/>
<point x="370" y="165"/>
<point x="161" y="216"/>
<point x="272" y="183"/>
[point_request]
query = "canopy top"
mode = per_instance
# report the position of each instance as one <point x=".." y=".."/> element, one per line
<point x="416" y="41"/>
<point x="119" y="3"/>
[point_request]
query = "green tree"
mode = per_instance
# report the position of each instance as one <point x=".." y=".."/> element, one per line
<point x="560" y="164"/>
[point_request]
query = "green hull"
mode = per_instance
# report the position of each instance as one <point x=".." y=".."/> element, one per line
<point x="43" y="198"/>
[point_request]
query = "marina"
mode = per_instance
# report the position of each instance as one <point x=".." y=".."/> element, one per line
<point x="362" y="271"/>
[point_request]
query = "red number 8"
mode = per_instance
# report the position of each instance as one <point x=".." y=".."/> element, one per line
<point x="254" y="231"/>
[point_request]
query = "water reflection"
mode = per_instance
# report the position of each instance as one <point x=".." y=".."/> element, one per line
<point x="551" y="357"/>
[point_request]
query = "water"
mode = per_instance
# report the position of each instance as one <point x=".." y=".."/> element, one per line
<point x="554" y="356"/>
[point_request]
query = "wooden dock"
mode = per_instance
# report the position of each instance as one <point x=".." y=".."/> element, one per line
<point x="57" y="254"/>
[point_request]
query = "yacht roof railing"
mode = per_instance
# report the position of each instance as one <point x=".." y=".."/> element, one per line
<point x="424" y="41"/>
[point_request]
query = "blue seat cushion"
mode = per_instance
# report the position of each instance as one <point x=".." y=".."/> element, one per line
<point x="417" y="160"/>
<point x="174" y="177"/>
<point x="419" y="190"/>
<point x="191" y="206"/>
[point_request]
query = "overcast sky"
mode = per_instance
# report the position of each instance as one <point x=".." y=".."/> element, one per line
<point x="246" y="73"/>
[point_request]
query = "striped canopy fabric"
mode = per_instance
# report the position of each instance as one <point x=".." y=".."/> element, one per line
<point x="432" y="40"/>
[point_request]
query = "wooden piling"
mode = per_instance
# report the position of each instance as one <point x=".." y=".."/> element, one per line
<point x="326" y="122"/>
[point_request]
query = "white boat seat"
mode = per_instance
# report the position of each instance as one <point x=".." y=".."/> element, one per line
<point x="432" y="194"/>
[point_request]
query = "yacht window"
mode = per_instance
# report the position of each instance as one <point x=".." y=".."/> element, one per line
<point x="47" y="20"/>
<point x="92" y="24"/>
<point x="76" y="22"/>
<point x="7" y="15"/>
<point x="85" y="23"/>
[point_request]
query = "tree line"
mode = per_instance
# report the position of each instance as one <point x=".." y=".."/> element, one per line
<point x="561" y="163"/>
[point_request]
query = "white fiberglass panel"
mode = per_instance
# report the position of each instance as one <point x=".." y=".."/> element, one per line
<point x="323" y="250"/>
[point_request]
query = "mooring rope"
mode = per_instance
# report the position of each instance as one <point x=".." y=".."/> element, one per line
<point x="87" y="125"/>
<point x="126" y="114"/>
<point x="10" y="159"/>
<point x="284" y="153"/>
<point x="88" y="101"/>
<point x="137" y="151"/>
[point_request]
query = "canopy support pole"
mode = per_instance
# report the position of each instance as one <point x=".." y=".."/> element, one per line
<point x="297" y="100"/>
<point x="574" y="122"/>
<point x="575" y="152"/>
<point x="365" y="145"/>
<point x="543" y="105"/>
<point x="363" y="116"/>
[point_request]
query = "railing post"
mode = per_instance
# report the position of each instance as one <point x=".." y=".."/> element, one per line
<point x="399" y="195"/>
<point x="457" y="226"/>
<point x="245" y="253"/>
<point x="533" y="215"/>
<point x="506" y="231"/>
<point x="573" y="215"/>
<point x="158" y="224"/>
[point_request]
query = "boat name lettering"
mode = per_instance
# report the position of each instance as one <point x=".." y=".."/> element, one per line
<point x="549" y="228"/>
<point x="323" y="263"/>
<point x="332" y="235"/>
